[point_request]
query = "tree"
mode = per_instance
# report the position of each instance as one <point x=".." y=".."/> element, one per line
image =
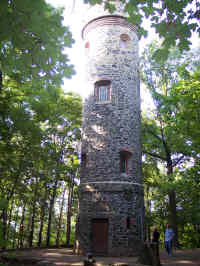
<point x="27" y="151"/>
<point x="187" y="93"/>
<point x="163" y="139"/>
<point x="32" y="43"/>
<point x="173" y="20"/>
<point x="39" y="123"/>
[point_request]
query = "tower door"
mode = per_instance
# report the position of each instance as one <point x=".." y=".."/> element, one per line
<point x="100" y="236"/>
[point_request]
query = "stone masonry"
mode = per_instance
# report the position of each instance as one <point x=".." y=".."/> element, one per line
<point x="111" y="131"/>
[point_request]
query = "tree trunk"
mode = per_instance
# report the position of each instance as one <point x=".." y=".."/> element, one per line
<point x="33" y="216"/>
<point x="1" y="81"/>
<point x="32" y="225"/>
<point x="15" y="230"/>
<point x="42" y="216"/>
<point x="21" y="228"/>
<point x="148" y="225"/>
<point x="69" y="208"/>
<point x="172" y="202"/>
<point x="60" y="218"/>
<point x="9" y="220"/>
<point x="149" y="254"/>
<point x="4" y="228"/>
<point x="50" y="213"/>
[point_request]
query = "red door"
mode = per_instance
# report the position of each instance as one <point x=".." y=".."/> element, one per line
<point x="100" y="236"/>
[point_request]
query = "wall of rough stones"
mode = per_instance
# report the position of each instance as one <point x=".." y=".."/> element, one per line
<point x="108" y="128"/>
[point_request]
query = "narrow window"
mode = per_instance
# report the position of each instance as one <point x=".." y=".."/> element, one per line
<point x="128" y="223"/>
<point x="87" y="48"/>
<point x="87" y="45"/>
<point x="123" y="163"/>
<point x="124" y="39"/>
<point x="123" y="43"/>
<point x="125" y="155"/>
<point x="102" y="90"/>
<point x="83" y="160"/>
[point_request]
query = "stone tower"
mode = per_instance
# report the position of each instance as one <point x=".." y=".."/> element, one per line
<point x="111" y="208"/>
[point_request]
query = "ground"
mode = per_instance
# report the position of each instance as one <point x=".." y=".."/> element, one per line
<point x="65" y="257"/>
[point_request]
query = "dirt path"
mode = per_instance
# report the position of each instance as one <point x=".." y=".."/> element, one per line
<point x="181" y="258"/>
<point x="65" y="257"/>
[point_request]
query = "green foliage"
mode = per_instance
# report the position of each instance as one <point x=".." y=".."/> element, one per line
<point x="40" y="124"/>
<point x="37" y="145"/>
<point x="187" y="91"/>
<point x="32" y="43"/>
<point x="171" y="142"/>
<point x="173" y="20"/>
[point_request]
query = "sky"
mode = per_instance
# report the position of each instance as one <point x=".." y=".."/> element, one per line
<point x="74" y="11"/>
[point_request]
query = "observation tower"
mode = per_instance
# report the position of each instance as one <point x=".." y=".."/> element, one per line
<point x="111" y="203"/>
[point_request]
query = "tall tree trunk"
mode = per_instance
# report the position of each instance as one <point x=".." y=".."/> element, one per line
<point x="60" y="218"/>
<point x="172" y="202"/>
<point x="1" y="81"/>
<point x="4" y="228"/>
<point x="148" y="231"/>
<point x="28" y="227"/>
<point x="10" y="218"/>
<point x="50" y="213"/>
<point x="33" y="216"/>
<point x="42" y="216"/>
<point x="21" y="228"/>
<point x="15" y="230"/>
<point x="32" y="225"/>
<point x="69" y="208"/>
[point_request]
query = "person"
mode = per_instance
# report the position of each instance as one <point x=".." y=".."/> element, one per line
<point x="155" y="240"/>
<point x="155" y="236"/>
<point x="169" y="235"/>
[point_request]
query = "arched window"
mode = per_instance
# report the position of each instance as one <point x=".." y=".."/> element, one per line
<point x="102" y="90"/>
<point x="124" y="39"/>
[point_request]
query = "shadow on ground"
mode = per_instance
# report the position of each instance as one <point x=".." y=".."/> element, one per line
<point x="65" y="257"/>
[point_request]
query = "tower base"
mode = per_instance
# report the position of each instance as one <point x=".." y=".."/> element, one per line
<point x="110" y="221"/>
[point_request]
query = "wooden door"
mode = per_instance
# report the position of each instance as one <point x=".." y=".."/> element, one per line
<point x="100" y="236"/>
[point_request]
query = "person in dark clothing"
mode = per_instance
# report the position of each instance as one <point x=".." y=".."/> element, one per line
<point x="155" y="240"/>
<point x="155" y="236"/>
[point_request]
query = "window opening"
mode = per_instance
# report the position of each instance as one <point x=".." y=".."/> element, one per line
<point x="83" y="160"/>
<point x="102" y="90"/>
<point x="124" y="160"/>
<point x="124" y="39"/>
<point x="87" y="45"/>
<point x="123" y="163"/>
<point x="123" y="43"/>
<point x="128" y="222"/>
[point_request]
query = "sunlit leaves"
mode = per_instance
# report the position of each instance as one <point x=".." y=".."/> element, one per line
<point x="174" y="21"/>
<point x="33" y="41"/>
